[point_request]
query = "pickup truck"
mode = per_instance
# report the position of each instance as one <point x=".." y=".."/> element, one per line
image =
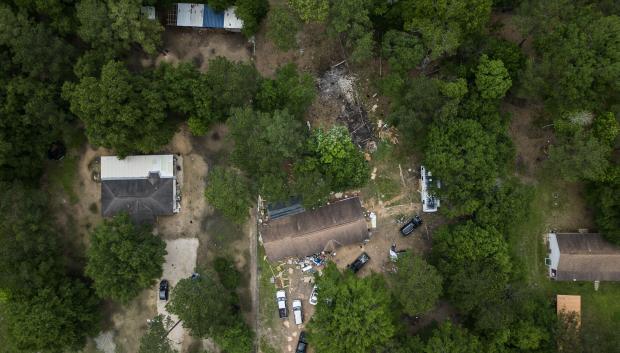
<point x="281" y="299"/>
<point x="297" y="312"/>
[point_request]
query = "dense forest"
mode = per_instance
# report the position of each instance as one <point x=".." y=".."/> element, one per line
<point x="64" y="77"/>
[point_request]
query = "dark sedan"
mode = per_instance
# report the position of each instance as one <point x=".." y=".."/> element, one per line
<point x="359" y="262"/>
<point x="410" y="226"/>
<point x="163" y="289"/>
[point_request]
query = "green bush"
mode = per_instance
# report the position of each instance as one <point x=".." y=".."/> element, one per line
<point x="228" y="274"/>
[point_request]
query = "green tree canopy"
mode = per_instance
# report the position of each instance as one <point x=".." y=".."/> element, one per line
<point x="444" y="24"/>
<point x="333" y="153"/>
<point x="290" y="89"/>
<point x="461" y="245"/>
<point x="404" y="51"/>
<point x="452" y="338"/>
<point x="465" y="158"/>
<point x="122" y="111"/>
<point x="31" y="118"/>
<point x="265" y="144"/>
<point x="578" y="54"/>
<point x="311" y="10"/>
<point x="354" y="26"/>
<point x="251" y="12"/>
<point x="117" y="24"/>
<point x="124" y="259"/>
<point x="56" y="319"/>
<point x="582" y="156"/>
<point x="416" y="284"/>
<point x="356" y="310"/>
<point x="29" y="252"/>
<point x="33" y="47"/>
<point x="605" y="200"/>
<point x="228" y="192"/>
<point x="282" y="28"/>
<point x="156" y="340"/>
<point x="226" y="85"/>
<point x="492" y="78"/>
<point x="203" y="305"/>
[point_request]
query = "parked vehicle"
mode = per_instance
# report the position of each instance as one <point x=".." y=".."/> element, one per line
<point x="302" y="345"/>
<point x="314" y="296"/>
<point x="298" y="314"/>
<point x="410" y="226"/>
<point x="163" y="289"/>
<point x="359" y="262"/>
<point x="281" y="299"/>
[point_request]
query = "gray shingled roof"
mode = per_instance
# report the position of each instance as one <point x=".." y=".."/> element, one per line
<point x="587" y="257"/>
<point x="310" y="232"/>
<point x="142" y="199"/>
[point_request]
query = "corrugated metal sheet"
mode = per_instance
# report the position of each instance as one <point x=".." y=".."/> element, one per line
<point x="231" y="21"/>
<point x="212" y="19"/>
<point x="190" y="15"/>
<point x="136" y="167"/>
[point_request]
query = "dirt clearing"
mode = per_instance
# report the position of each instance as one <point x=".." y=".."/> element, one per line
<point x="197" y="46"/>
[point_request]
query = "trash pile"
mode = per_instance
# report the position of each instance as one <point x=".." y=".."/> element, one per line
<point x="338" y="86"/>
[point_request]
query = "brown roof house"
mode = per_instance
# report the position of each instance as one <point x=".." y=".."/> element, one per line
<point x="582" y="257"/>
<point x="310" y="232"/>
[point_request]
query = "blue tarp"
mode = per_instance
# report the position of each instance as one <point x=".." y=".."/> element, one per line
<point x="212" y="19"/>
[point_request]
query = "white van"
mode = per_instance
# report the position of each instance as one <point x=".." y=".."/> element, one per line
<point x="297" y="313"/>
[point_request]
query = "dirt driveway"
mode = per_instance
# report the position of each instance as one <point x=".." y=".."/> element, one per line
<point x="180" y="263"/>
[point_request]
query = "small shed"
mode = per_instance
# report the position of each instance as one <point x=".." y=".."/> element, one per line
<point x="314" y="231"/>
<point x="582" y="257"/>
<point x="569" y="304"/>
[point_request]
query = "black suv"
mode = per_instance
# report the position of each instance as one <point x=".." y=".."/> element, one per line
<point x="359" y="262"/>
<point x="302" y="345"/>
<point x="163" y="289"/>
<point x="410" y="226"/>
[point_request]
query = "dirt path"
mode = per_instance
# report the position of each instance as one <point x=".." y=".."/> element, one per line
<point x="254" y="275"/>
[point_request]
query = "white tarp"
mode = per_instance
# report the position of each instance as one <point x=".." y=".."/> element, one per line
<point x="231" y="21"/>
<point x="137" y="167"/>
<point x="190" y="15"/>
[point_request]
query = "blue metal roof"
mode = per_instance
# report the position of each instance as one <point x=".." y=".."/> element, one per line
<point x="212" y="19"/>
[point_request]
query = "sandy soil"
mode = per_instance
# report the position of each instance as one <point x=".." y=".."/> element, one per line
<point x="197" y="46"/>
<point x="180" y="263"/>
<point x="129" y="322"/>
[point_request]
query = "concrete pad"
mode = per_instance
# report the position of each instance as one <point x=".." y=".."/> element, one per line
<point x="180" y="263"/>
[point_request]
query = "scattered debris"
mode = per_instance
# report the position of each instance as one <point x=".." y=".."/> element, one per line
<point x="338" y="86"/>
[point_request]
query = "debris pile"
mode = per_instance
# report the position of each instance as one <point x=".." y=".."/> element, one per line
<point x="339" y="87"/>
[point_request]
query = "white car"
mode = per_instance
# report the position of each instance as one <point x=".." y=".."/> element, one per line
<point x="314" y="296"/>
<point x="297" y="312"/>
<point x="281" y="299"/>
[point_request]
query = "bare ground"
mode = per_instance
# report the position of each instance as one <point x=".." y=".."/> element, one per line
<point x="197" y="46"/>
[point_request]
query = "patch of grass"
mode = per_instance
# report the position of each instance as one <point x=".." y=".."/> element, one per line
<point x="62" y="175"/>
<point x="224" y="232"/>
<point x="268" y="308"/>
<point x="265" y="347"/>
